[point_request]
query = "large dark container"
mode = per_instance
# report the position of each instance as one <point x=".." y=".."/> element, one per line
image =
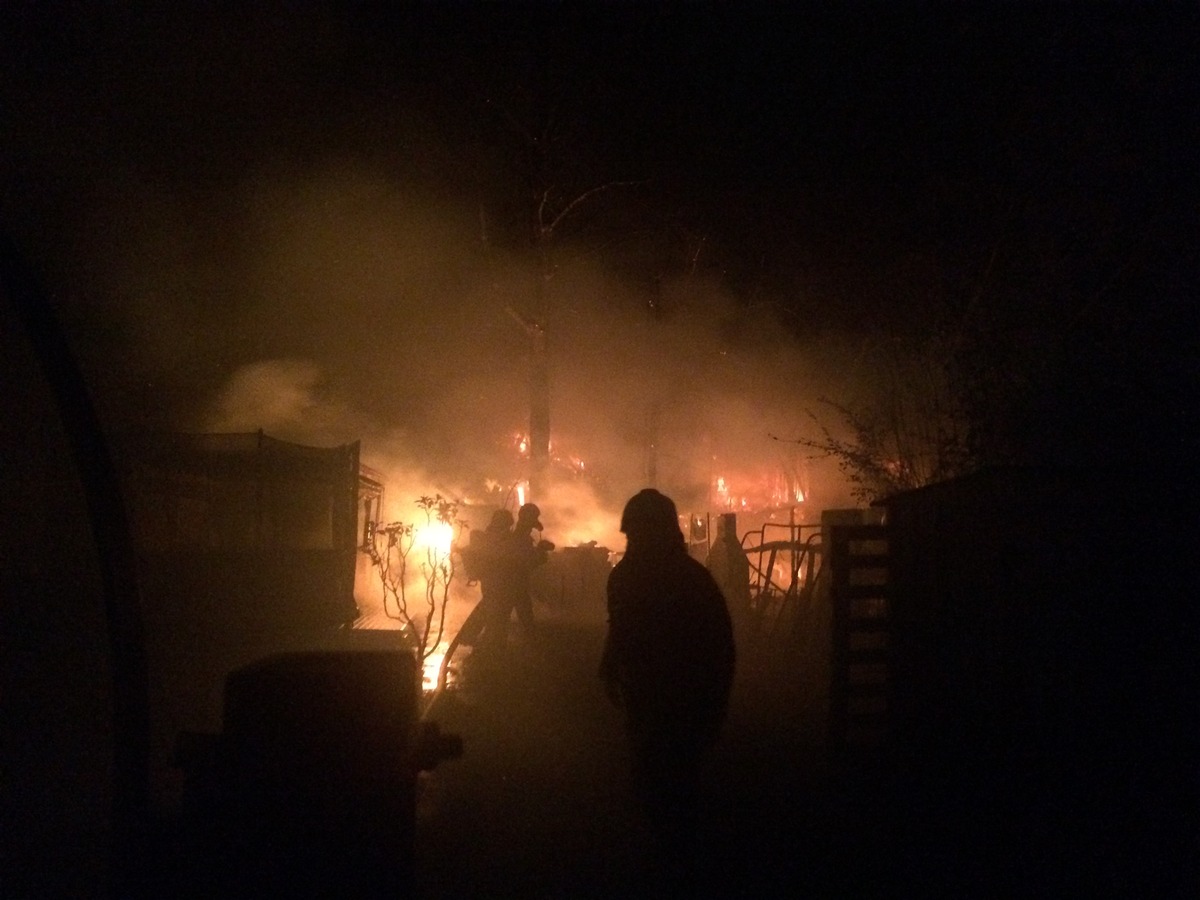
<point x="309" y="789"/>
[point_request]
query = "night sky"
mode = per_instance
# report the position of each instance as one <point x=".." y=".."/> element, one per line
<point x="288" y="217"/>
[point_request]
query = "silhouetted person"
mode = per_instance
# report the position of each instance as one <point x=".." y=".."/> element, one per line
<point x="668" y="662"/>
<point x="482" y="559"/>
<point x="519" y="556"/>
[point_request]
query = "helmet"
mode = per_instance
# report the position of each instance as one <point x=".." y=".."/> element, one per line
<point x="529" y="516"/>
<point x="649" y="511"/>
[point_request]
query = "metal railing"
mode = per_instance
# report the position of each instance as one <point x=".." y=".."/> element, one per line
<point x="775" y="593"/>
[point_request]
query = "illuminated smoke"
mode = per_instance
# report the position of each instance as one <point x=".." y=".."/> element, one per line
<point x="279" y="396"/>
<point x="340" y="305"/>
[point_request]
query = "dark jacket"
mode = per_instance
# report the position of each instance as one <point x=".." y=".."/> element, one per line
<point x="669" y="655"/>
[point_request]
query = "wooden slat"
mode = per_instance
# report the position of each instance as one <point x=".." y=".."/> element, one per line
<point x="861" y="671"/>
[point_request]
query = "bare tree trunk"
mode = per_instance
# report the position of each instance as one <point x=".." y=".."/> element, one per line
<point x="539" y="411"/>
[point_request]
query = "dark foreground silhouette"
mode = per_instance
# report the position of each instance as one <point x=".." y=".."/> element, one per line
<point x="541" y="803"/>
<point x="668" y="664"/>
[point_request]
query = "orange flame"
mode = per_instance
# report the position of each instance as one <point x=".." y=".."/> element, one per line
<point x="434" y="536"/>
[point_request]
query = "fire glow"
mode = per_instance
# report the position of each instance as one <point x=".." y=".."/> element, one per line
<point x="432" y="666"/>
<point x="577" y="507"/>
<point x="436" y="538"/>
<point x="774" y="491"/>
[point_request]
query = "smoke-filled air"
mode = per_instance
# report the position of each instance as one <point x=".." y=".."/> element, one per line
<point x="334" y="305"/>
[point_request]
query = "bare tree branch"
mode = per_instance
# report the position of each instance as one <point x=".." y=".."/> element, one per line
<point x="548" y="230"/>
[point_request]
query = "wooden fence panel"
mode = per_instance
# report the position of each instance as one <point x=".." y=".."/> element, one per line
<point x="861" y="674"/>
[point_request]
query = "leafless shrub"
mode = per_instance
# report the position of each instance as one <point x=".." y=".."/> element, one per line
<point x="398" y="548"/>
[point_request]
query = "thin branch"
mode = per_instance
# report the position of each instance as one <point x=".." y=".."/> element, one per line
<point x="591" y="192"/>
<point x="532" y="326"/>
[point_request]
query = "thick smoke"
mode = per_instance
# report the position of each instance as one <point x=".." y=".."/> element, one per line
<point x="280" y="396"/>
<point x="336" y="305"/>
<point x="264" y="240"/>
